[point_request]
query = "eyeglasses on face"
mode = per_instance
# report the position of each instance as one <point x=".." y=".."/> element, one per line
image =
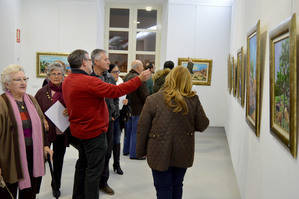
<point x="25" y="79"/>
<point x="56" y="74"/>
<point x="115" y="72"/>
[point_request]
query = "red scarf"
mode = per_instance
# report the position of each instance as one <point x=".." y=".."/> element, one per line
<point x="58" y="93"/>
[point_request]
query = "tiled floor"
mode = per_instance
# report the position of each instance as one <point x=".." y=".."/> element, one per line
<point x="211" y="177"/>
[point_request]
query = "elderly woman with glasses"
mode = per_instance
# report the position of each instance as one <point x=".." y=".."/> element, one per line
<point x="46" y="97"/>
<point x="22" y="140"/>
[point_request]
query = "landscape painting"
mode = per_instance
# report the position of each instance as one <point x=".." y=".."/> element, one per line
<point x="253" y="79"/>
<point x="201" y="70"/>
<point x="44" y="59"/>
<point x="283" y="83"/>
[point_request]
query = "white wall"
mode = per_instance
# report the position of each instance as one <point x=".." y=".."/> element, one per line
<point x="263" y="166"/>
<point x="9" y="23"/>
<point x="202" y="31"/>
<point x="57" y="26"/>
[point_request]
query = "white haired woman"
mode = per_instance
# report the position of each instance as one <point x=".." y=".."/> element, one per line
<point x="46" y="97"/>
<point x="22" y="141"/>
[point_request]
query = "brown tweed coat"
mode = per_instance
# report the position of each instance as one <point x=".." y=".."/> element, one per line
<point x="165" y="137"/>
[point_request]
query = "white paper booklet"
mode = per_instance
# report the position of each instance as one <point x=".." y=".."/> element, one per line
<point x="55" y="114"/>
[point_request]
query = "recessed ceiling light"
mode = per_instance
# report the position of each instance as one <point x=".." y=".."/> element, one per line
<point x="148" y="8"/>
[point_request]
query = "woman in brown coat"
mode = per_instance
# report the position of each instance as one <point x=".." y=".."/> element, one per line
<point x="165" y="132"/>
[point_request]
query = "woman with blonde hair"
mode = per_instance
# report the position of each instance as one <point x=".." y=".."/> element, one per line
<point x="165" y="132"/>
<point x="22" y="140"/>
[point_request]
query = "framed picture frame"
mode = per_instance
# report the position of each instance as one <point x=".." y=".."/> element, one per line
<point x="283" y="83"/>
<point x="253" y="78"/>
<point x="241" y="76"/>
<point x="44" y="59"/>
<point x="229" y="74"/>
<point x="234" y="79"/>
<point x="201" y="71"/>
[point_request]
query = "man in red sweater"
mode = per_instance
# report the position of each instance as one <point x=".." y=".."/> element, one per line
<point x="84" y="97"/>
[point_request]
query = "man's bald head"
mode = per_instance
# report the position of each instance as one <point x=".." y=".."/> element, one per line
<point x="137" y="65"/>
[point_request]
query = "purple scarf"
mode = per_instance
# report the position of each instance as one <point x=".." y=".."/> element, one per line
<point x="58" y="93"/>
<point x="37" y="138"/>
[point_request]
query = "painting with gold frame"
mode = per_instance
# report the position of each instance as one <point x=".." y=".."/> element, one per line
<point x="283" y="83"/>
<point x="229" y="74"/>
<point x="201" y="71"/>
<point x="44" y="59"/>
<point x="241" y="76"/>
<point x="234" y="79"/>
<point x="253" y="78"/>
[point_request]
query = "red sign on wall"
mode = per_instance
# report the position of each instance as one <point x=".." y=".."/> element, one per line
<point x="18" y="36"/>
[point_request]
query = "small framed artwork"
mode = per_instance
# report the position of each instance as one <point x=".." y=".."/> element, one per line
<point x="241" y="76"/>
<point x="283" y="83"/>
<point x="44" y="59"/>
<point x="201" y="71"/>
<point x="229" y="74"/>
<point x="253" y="79"/>
<point x="235" y="77"/>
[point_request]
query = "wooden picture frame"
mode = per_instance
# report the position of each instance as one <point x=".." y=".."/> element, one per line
<point x="234" y="79"/>
<point x="201" y="72"/>
<point x="253" y="78"/>
<point x="44" y="59"/>
<point x="241" y="76"/>
<point x="229" y="74"/>
<point x="283" y="83"/>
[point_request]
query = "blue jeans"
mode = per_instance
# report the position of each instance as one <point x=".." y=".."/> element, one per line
<point x="169" y="184"/>
<point x="130" y="137"/>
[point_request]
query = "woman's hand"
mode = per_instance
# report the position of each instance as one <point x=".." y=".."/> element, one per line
<point x="46" y="125"/>
<point x="125" y="101"/>
<point x="47" y="151"/>
<point x="65" y="112"/>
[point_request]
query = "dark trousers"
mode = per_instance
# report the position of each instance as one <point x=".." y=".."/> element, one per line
<point x="58" y="155"/>
<point x="89" y="167"/>
<point x="29" y="193"/>
<point x="116" y="142"/>
<point x="130" y="136"/>
<point x="105" y="172"/>
<point x="169" y="184"/>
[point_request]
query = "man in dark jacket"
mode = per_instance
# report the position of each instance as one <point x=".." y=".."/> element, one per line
<point x="136" y="101"/>
<point x="100" y="70"/>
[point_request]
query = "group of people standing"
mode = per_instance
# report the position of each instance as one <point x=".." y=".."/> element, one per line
<point x="159" y="112"/>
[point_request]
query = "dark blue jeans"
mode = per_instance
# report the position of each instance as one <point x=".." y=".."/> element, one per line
<point x="130" y="136"/>
<point x="169" y="184"/>
<point x="89" y="167"/>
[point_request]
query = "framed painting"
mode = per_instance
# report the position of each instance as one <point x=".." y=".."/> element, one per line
<point x="241" y="76"/>
<point x="229" y="74"/>
<point x="234" y="79"/>
<point x="201" y="71"/>
<point x="283" y="83"/>
<point x="44" y="59"/>
<point x="253" y="77"/>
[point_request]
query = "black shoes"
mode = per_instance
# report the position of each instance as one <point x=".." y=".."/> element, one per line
<point x="117" y="169"/>
<point x="56" y="193"/>
<point x="108" y="190"/>
<point x="141" y="158"/>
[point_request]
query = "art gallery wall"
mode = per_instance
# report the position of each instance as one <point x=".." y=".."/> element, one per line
<point x="202" y="30"/>
<point x="263" y="166"/>
<point x="58" y="26"/>
<point x="9" y="23"/>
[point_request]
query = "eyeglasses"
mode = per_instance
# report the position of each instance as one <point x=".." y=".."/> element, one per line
<point x="25" y="79"/>
<point x="115" y="72"/>
<point x="56" y="74"/>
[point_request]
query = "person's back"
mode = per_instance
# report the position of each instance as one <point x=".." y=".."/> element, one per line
<point x="165" y="132"/>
